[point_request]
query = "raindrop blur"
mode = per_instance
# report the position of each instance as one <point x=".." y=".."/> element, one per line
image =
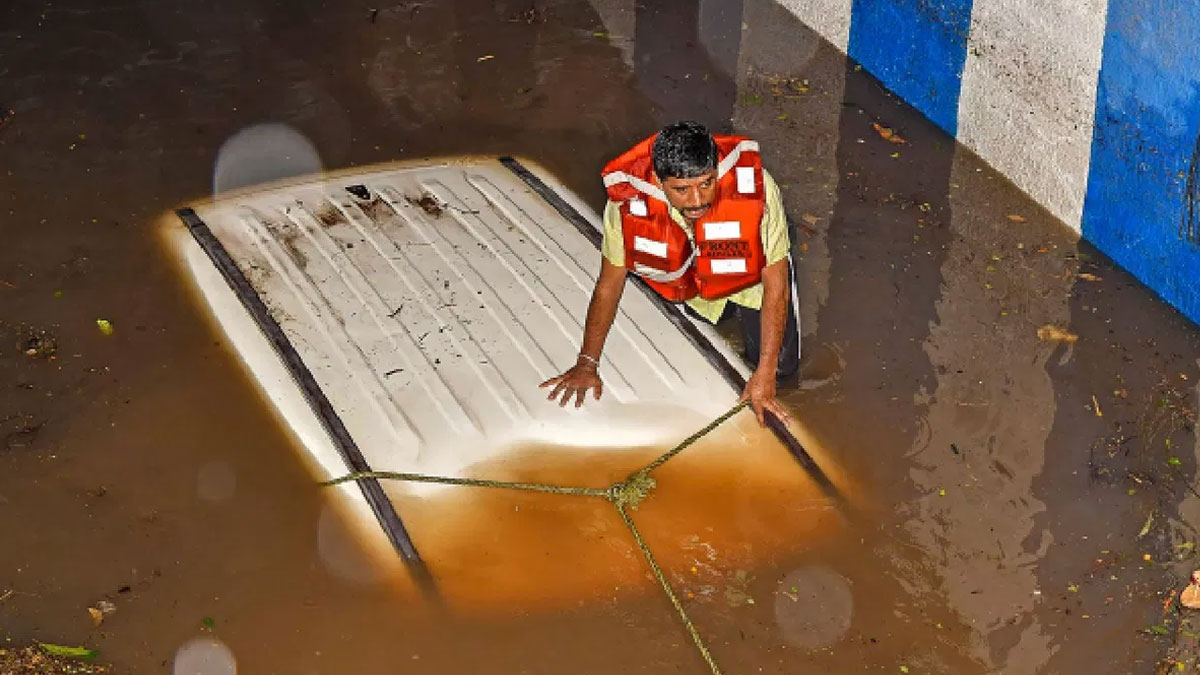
<point x="204" y="656"/>
<point x="813" y="607"/>
<point x="263" y="153"/>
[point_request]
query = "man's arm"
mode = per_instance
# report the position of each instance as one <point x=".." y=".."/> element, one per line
<point x="602" y="309"/>
<point x="760" y="388"/>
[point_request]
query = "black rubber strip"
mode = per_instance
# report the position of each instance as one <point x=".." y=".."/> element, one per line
<point x="384" y="510"/>
<point x="677" y="317"/>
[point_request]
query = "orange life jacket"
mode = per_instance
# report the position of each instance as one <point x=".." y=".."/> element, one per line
<point x="723" y="255"/>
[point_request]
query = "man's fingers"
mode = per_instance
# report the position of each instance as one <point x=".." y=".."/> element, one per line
<point x="553" y="380"/>
<point x="599" y="388"/>
<point x="558" y="387"/>
<point x="579" y="394"/>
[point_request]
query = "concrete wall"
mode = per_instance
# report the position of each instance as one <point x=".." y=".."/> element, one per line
<point x="1092" y="107"/>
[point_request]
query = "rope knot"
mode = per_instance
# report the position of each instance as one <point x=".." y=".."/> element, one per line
<point x="631" y="491"/>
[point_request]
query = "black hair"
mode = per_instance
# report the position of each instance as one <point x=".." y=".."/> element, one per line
<point x="683" y="150"/>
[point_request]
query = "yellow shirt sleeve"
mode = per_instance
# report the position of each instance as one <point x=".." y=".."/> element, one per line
<point x="774" y="223"/>
<point x="613" y="245"/>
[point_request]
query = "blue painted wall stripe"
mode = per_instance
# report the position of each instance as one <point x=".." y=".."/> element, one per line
<point x="917" y="48"/>
<point x="1144" y="146"/>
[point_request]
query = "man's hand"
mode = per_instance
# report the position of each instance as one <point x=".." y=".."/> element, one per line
<point x="575" y="382"/>
<point x="760" y="392"/>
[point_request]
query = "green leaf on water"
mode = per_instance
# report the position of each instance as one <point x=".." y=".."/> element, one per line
<point x="208" y="622"/>
<point x="755" y="99"/>
<point x="1174" y="461"/>
<point x="68" y="652"/>
<point x="1159" y="629"/>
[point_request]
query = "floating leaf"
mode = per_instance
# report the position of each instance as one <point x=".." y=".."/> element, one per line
<point x="1052" y="333"/>
<point x="1016" y="217"/>
<point x="887" y="134"/>
<point x="68" y="652"/>
<point x="1174" y="461"/>
<point x="1146" y="528"/>
<point x="105" y="326"/>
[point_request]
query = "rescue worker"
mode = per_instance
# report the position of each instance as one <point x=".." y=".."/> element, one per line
<point x="699" y="219"/>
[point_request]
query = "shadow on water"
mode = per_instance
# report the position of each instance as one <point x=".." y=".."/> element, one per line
<point x="1120" y="471"/>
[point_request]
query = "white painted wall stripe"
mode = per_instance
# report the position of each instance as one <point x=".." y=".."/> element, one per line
<point x="1028" y="95"/>
<point x="830" y="18"/>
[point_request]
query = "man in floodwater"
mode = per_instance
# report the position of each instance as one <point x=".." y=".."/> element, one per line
<point x="699" y="219"/>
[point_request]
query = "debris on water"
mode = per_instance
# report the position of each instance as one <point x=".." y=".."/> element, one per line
<point x="38" y="659"/>
<point x="23" y="434"/>
<point x="1088" y="277"/>
<point x="1016" y="217"/>
<point x="1096" y="406"/>
<point x="1190" y="597"/>
<point x="737" y="592"/>
<point x="1052" y="333"/>
<point x="105" y="326"/>
<point x="427" y="203"/>
<point x="102" y="609"/>
<point x="485" y="57"/>
<point x="888" y="134"/>
<point x="787" y="86"/>
<point x="530" y="17"/>
<point x="6" y="116"/>
<point x="40" y="345"/>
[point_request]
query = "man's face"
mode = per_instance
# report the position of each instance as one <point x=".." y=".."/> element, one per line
<point x="692" y="196"/>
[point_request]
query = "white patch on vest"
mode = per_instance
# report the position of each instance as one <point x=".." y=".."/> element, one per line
<point x="725" y="229"/>
<point x="745" y="179"/>
<point x="729" y="266"/>
<point x="638" y="207"/>
<point x="658" y="248"/>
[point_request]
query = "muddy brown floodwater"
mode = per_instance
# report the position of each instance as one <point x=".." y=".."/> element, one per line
<point x="1028" y="505"/>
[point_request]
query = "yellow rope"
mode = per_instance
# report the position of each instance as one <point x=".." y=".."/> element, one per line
<point x="624" y="495"/>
